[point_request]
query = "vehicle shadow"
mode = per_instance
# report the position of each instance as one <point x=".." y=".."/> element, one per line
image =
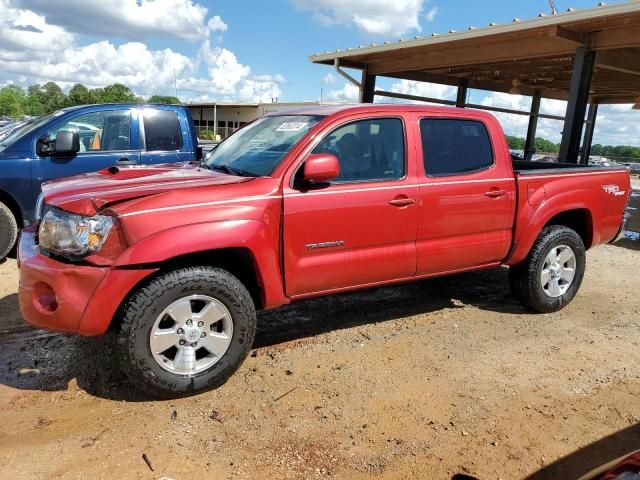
<point x="589" y="458"/>
<point x="628" y="244"/>
<point x="33" y="359"/>
<point x="486" y="289"/>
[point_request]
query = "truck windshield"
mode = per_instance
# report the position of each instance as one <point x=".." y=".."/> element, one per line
<point x="25" y="128"/>
<point x="257" y="149"/>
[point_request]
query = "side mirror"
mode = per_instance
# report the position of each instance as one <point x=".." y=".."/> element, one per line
<point x="321" y="167"/>
<point x="66" y="143"/>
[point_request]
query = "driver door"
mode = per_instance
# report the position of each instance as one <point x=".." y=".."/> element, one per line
<point x="107" y="138"/>
<point x="361" y="228"/>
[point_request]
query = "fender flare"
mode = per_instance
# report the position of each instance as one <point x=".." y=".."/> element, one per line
<point x="564" y="202"/>
<point x="253" y="235"/>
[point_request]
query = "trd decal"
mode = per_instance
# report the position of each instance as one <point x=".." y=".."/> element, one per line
<point x="613" y="190"/>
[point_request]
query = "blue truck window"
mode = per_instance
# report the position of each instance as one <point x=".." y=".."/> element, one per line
<point x="162" y="130"/>
<point x="100" y="131"/>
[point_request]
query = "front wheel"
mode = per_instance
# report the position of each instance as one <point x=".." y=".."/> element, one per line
<point x="548" y="279"/>
<point x="186" y="331"/>
<point x="8" y="231"/>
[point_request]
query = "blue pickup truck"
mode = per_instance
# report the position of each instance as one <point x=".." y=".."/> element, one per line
<point x="85" y="139"/>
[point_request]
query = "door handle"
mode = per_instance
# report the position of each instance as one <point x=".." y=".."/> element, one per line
<point x="495" y="193"/>
<point x="402" y="201"/>
<point x="125" y="161"/>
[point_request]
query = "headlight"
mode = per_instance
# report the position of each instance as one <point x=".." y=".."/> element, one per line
<point x="73" y="235"/>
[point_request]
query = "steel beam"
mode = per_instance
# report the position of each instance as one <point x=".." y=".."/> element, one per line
<point x="577" y="104"/>
<point x="588" y="133"/>
<point x="367" y="87"/>
<point x="530" y="143"/>
<point x="461" y="98"/>
<point x="404" y="96"/>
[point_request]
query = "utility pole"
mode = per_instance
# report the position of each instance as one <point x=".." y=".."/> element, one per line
<point x="175" y="82"/>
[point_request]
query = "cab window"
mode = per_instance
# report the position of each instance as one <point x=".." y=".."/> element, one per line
<point x="454" y="147"/>
<point x="100" y="131"/>
<point x="367" y="150"/>
<point x="162" y="130"/>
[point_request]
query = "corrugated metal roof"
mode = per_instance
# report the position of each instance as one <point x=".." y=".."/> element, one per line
<point x="560" y="19"/>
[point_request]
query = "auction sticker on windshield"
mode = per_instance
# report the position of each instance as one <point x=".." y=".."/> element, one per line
<point x="292" y="126"/>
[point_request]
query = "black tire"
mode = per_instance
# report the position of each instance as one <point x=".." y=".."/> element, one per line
<point x="525" y="278"/>
<point x="8" y="231"/>
<point x="141" y="310"/>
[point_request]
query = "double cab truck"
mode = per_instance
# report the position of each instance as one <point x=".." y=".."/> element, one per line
<point x="176" y="259"/>
<point x="84" y="139"/>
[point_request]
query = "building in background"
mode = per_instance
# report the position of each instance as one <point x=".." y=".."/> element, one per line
<point x="222" y="119"/>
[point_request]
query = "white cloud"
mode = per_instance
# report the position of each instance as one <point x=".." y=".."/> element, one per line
<point x="375" y="17"/>
<point x="617" y="125"/>
<point x="22" y="30"/>
<point x="424" y="89"/>
<point x="431" y="14"/>
<point x="348" y="93"/>
<point x="330" y="78"/>
<point x="129" y="19"/>
<point x="37" y="52"/>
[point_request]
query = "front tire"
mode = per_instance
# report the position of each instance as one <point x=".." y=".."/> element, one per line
<point x="186" y="331"/>
<point x="548" y="279"/>
<point x="8" y="231"/>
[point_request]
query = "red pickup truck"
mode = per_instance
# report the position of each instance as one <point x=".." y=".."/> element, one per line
<point x="177" y="258"/>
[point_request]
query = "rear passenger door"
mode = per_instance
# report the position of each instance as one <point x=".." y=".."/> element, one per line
<point x="165" y="136"/>
<point x="361" y="228"/>
<point x="467" y="195"/>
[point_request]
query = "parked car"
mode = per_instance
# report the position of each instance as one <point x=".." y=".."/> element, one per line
<point x="623" y="468"/>
<point x="9" y="128"/>
<point x="84" y="139"/>
<point x="633" y="210"/>
<point x="634" y="168"/>
<point x="178" y="258"/>
<point x="207" y="146"/>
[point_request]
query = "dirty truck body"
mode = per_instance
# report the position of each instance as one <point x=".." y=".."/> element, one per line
<point x="177" y="258"/>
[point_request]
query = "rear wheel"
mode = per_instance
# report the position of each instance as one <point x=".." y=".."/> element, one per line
<point x="550" y="276"/>
<point x="186" y="331"/>
<point x="8" y="230"/>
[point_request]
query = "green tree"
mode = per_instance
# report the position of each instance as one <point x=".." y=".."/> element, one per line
<point x="97" y="95"/>
<point x="34" y="104"/>
<point x="53" y="97"/>
<point x="164" y="99"/>
<point x="79" y="95"/>
<point x="12" y="101"/>
<point x="515" y="143"/>
<point x="545" y="146"/>
<point x="117" y="93"/>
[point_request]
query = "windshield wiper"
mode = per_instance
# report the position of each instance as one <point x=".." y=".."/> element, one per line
<point x="230" y="171"/>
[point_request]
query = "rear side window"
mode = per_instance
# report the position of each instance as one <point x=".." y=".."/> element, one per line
<point x="453" y="147"/>
<point x="162" y="130"/>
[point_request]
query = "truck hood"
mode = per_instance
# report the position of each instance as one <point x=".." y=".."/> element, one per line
<point x="89" y="193"/>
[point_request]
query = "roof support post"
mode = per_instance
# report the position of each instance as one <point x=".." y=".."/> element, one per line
<point x="367" y="87"/>
<point x="588" y="133"/>
<point x="577" y="104"/>
<point x="461" y="98"/>
<point x="530" y="143"/>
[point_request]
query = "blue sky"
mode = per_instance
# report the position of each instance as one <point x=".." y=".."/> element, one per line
<point x="249" y="50"/>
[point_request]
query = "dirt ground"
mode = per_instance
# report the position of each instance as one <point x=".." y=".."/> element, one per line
<point x="436" y="379"/>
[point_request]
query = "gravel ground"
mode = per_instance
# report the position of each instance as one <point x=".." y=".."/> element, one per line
<point x="433" y="379"/>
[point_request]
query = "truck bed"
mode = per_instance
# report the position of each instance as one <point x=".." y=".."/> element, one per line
<point x="597" y="196"/>
<point x="523" y="167"/>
